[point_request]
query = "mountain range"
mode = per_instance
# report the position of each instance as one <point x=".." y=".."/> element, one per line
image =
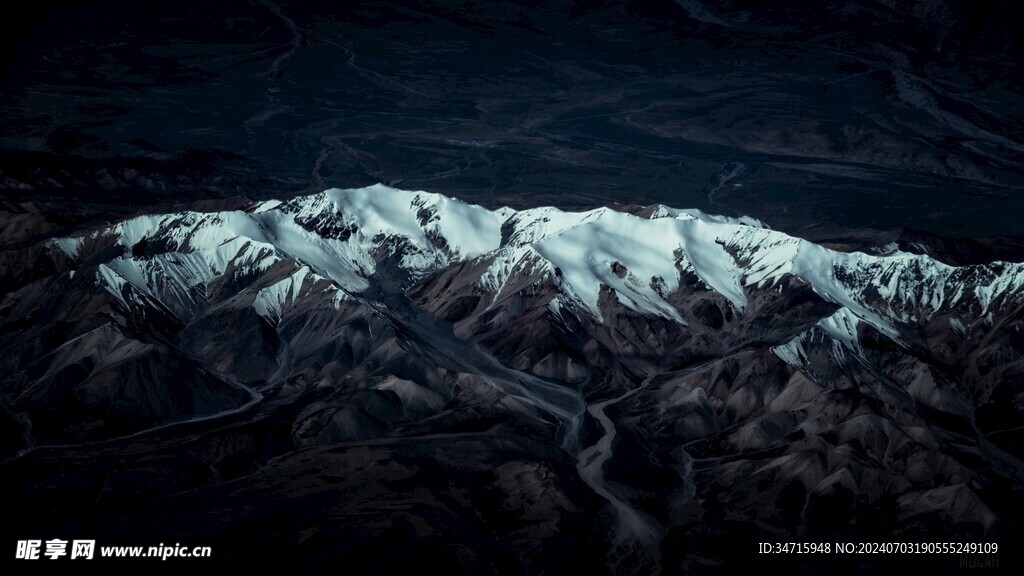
<point x="495" y="390"/>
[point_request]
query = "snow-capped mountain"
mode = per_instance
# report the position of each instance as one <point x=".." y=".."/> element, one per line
<point x="656" y="358"/>
<point x="343" y="235"/>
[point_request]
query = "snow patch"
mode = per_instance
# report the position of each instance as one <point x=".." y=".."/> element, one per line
<point x="270" y="301"/>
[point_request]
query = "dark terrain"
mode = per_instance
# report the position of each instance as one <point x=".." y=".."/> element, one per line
<point x="430" y="418"/>
<point x="858" y="114"/>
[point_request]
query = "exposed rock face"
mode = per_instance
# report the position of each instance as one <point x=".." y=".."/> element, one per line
<point x="495" y="391"/>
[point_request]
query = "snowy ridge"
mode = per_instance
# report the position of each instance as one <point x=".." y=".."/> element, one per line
<point x="344" y="235"/>
<point x="839" y="330"/>
<point x="271" y="301"/>
<point x="176" y="279"/>
<point x="662" y="211"/>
